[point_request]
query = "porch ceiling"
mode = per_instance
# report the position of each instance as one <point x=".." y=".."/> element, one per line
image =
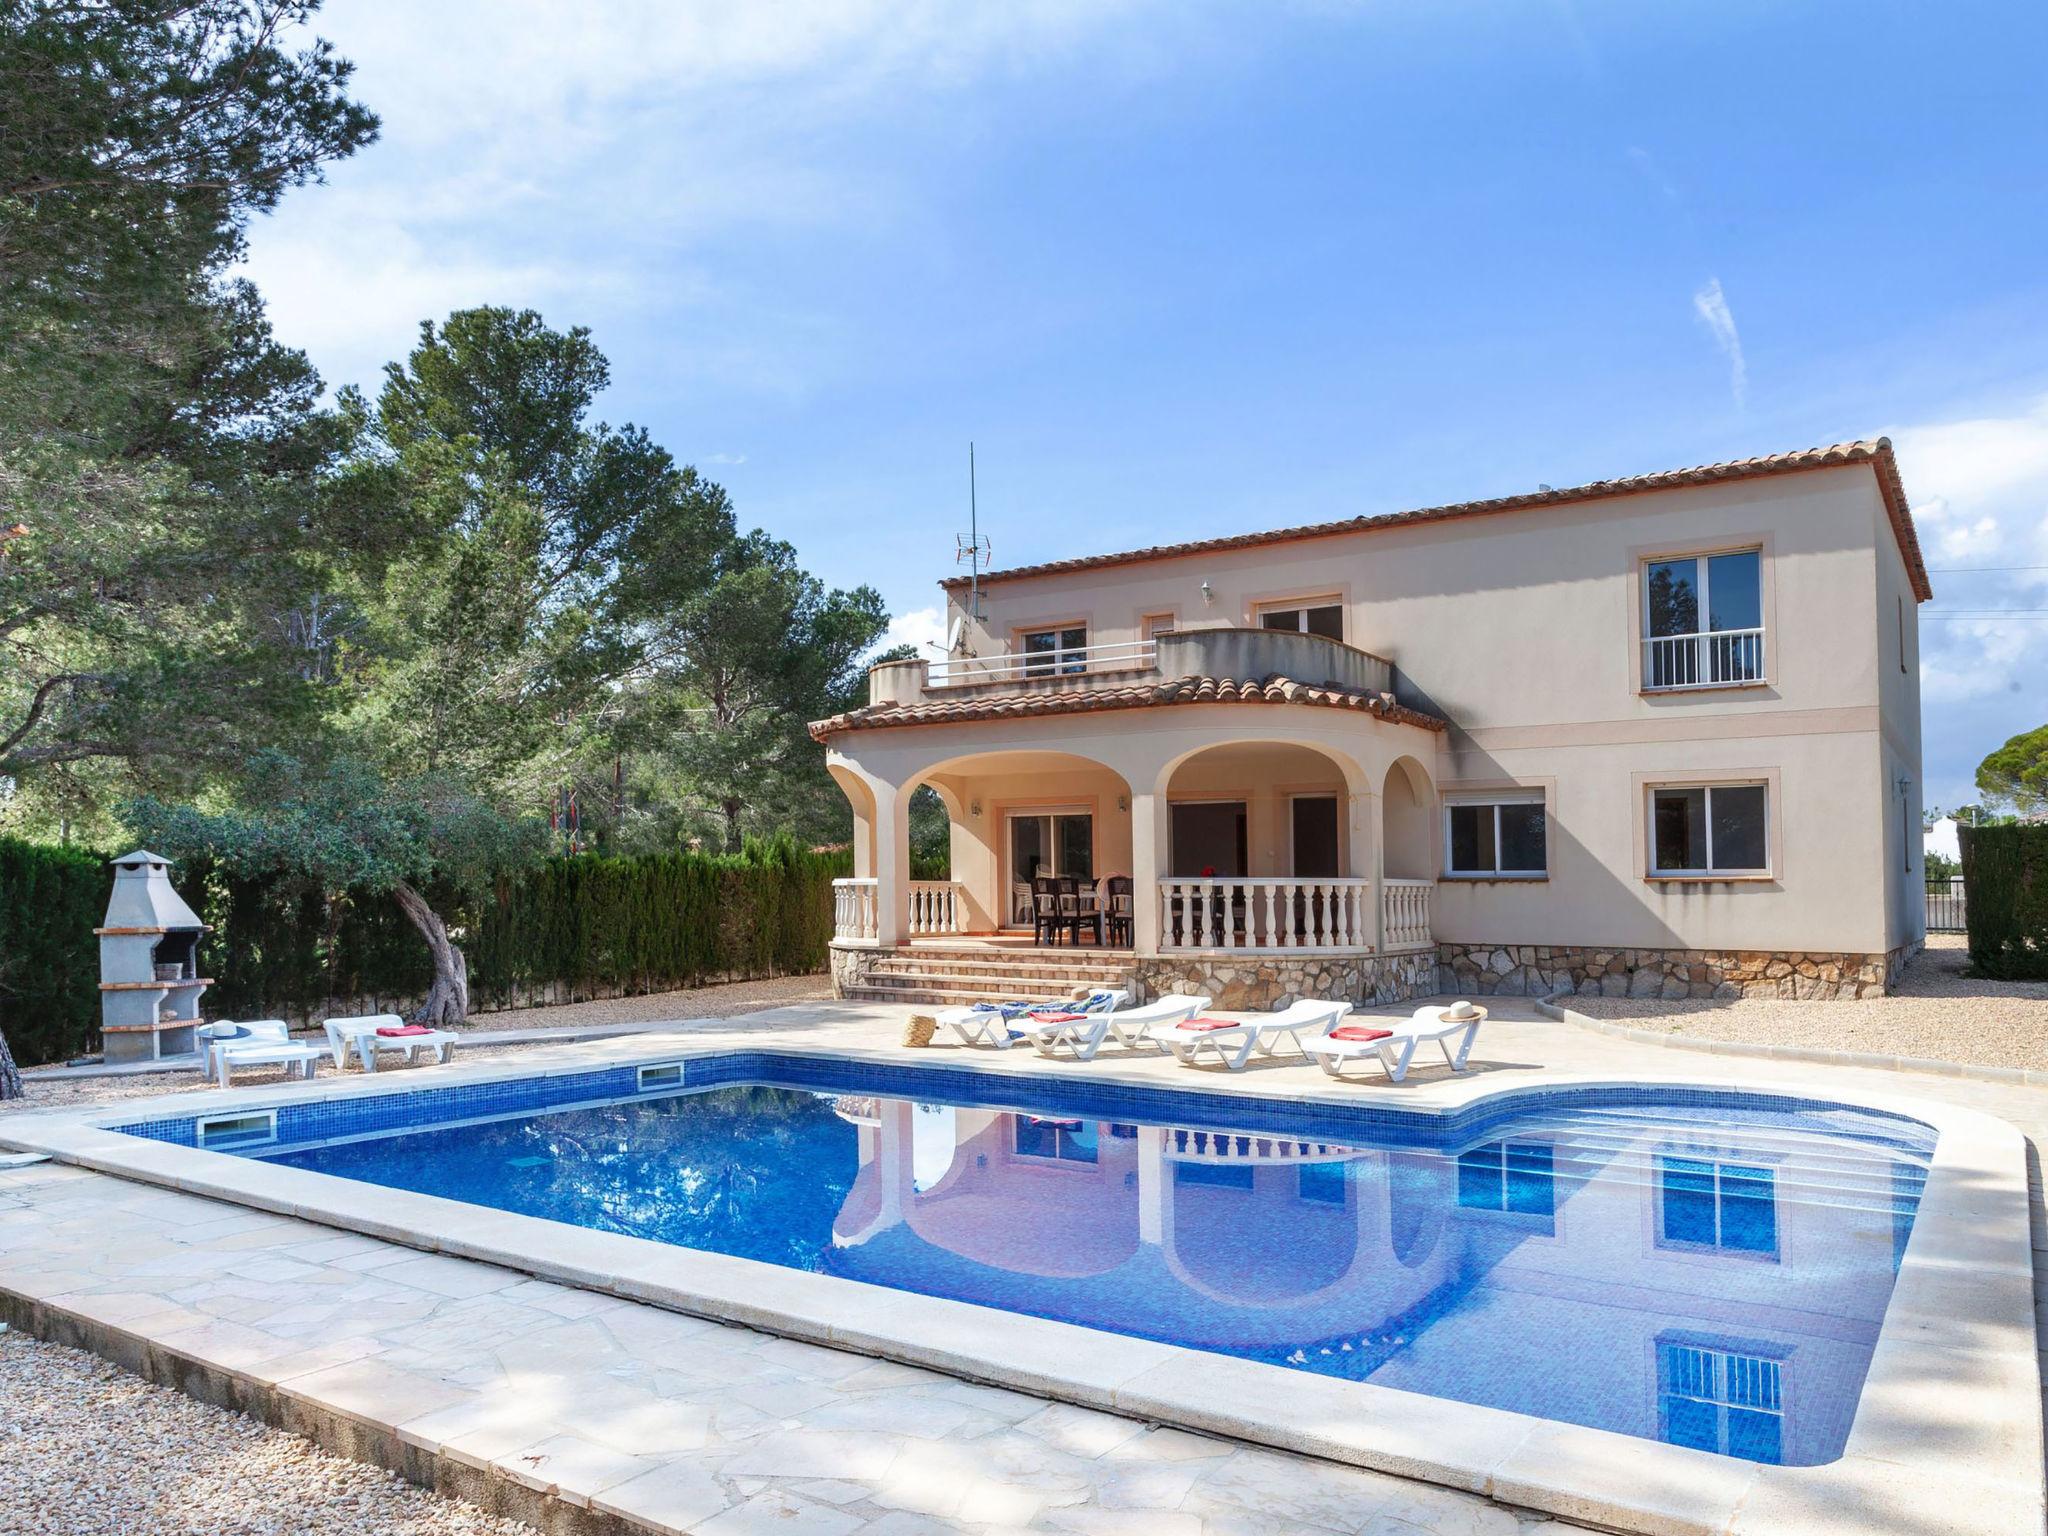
<point x="1141" y="695"/>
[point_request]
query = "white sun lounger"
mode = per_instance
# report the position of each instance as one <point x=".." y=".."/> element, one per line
<point x="361" y="1034"/>
<point x="1001" y="1027"/>
<point x="1083" y="1037"/>
<point x="1235" y="1043"/>
<point x="1397" y="1050"/>
<point x="260" y="1043"/>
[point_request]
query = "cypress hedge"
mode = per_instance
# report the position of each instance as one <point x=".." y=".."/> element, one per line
<point x="51" y="899"/>
<point x="2005" y="878"/>
<point x="564" y="930"/>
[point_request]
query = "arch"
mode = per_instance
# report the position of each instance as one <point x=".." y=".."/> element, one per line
<point x="1267" y="776"/>
<point x="1408" y="822"/>
<point x="984" y="790"/>
<point x="860" y="796"/>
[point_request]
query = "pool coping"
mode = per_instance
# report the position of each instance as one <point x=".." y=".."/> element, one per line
<point x="1947" y="1435"/>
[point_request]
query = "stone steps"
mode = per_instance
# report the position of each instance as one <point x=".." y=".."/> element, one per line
<point x="948" y="975"/>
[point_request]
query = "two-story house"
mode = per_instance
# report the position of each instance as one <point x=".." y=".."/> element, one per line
<point x="1657" y="736"/>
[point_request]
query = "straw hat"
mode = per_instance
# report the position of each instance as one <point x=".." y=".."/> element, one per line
<point x="1462" y="1012"/>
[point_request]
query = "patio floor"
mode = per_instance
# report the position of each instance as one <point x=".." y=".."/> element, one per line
<point x="496" y="1381"/>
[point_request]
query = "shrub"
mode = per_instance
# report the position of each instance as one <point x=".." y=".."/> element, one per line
<point x="2005" y="873"/>
<point x="566" y="928"/>
<point x="51" y="899"/>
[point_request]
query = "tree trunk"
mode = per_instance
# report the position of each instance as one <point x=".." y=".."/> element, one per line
<point x="732" y="825"/>
<point x="448" y="999"/>
<point x="10" y="1078"/>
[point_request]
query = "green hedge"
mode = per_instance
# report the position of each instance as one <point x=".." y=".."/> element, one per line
<point x="51" y="899"/>
<point x="567" y="929"/>
<point x="2005" y="884"/>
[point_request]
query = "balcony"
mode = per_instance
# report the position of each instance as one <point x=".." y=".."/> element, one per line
<point x="1219" y="652"/>
<point x="1720" y="658"/>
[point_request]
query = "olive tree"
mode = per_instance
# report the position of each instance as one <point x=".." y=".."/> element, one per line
<point x="348" y="827"/>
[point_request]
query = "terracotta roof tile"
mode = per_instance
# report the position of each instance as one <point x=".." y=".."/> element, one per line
<point x="1878" y="454"/>
<point x="1145" y="695"/>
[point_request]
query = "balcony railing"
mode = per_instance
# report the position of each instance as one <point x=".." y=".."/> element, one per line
<point x="1018" y="666"/>
<point x="935" y="907"/>
<point x="856" y="909"/>
<point x="1718" y="658"/>
<point x="1404" y="914"/>
<point x="1265" y="914"/>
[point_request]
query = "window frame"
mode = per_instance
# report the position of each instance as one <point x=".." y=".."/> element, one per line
<point x="1709" y="871"/>
<point x="1300" y="606"/>
<point x="1719" y="1162"/>
<point x="1495" y="798"/>
<point x="1702" y="577"/>
<point x="1051" y="667"/>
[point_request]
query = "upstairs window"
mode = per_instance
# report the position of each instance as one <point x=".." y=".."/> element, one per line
<point x="1721" y="1401"/>
<point x="1710" y="829"/>
<point x="1050" y="651"/>
<point x="1703" y="620"/>
<point x="1323" y="618"/>
<point x="1500" y="835"/>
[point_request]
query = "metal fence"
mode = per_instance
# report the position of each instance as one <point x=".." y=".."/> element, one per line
<point x="1946" y="909"/>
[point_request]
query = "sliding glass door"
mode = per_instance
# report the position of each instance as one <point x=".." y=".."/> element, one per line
<point x="1050" y="842"/>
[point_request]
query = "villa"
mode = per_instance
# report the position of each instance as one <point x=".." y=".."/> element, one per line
<point x="1656" y="737"/>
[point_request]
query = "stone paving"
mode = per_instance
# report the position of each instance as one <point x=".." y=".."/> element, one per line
<point x="701" y="1426"/>
<point x="680" y="1423"/>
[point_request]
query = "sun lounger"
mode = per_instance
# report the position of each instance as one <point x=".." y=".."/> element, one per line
<point x="1394" y="1048"/>
<point x="1081" y="1034"/>
<point x="370" y="1033"/>
<point x="1234" y="1040"/>
<point x="1000" y="1024"/>
<point x="256" y="1043"/>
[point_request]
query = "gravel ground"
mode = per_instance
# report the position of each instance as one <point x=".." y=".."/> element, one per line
<point x="88" y="1450"/>
<point x="1937" y="1012"/>
<point x="700" y="1003"/>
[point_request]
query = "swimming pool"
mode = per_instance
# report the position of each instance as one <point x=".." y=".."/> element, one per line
<point x="1708" y="1269"/>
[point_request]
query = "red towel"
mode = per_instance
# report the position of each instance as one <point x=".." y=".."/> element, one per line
<point x="1057" y="1018"/>
<point x="1360" y="1032"/>
<point x="1209" y="1024"/>
<point x="390" y="1031"/>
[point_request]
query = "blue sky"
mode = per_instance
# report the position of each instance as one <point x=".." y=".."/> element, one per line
<point x="1181" y="269"/>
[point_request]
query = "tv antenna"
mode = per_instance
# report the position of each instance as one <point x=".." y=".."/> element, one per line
<point x="973" y="551"/>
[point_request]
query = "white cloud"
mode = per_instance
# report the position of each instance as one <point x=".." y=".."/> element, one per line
<point x="924" y="628"/>
<point x="1979" y="487"/>
<point x="1711" y="305"/>
<point x="522" y="136"/>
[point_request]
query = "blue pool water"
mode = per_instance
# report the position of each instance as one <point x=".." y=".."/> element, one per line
<point x="1706" y="1269"/>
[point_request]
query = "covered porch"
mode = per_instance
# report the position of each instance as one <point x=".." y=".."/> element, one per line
<point x="1219" y="834"/>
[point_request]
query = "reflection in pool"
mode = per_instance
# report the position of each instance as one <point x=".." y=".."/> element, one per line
<point x="1710" y="1276"/>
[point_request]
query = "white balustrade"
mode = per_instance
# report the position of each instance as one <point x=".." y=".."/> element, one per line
<point x="856" y="909"/>
<point x="1254" y="1147"/>
<point x="1404" y="914"/>
<point x="1265" y="914"/>
<point x="1015" y="666"/>
<point x="934" y="906"/>
<point x="1712" y="659"/>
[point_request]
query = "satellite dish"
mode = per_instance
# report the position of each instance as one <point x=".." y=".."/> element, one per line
<point x="955" y="633"/>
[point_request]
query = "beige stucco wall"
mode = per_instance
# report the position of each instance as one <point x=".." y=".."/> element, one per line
<point x="1523" y="630"/>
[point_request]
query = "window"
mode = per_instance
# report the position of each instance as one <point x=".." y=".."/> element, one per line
<point x="1709" y="829"/>
<point x="1720" y="1401"/>
<point x="1324" y="1183"/>
<point x="1153" y="625"/>
<point x="1322" y="618"/>
<point x="1064" y="1141"/>
<point x="1055" y="650"/>
<point x="1703" y="620"/>
<point x="1514" y="1178"/>
<point x="1503" y="836"/>
<point x="1705" y="1203"/>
